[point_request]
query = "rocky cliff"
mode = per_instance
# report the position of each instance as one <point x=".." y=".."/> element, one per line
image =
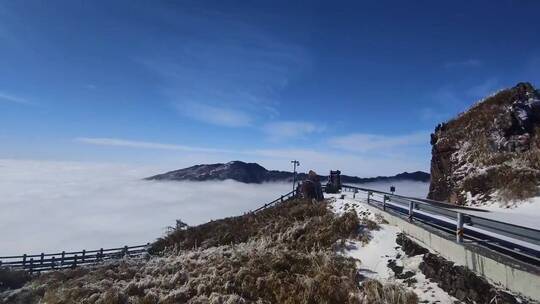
<point x="491" y="152"/>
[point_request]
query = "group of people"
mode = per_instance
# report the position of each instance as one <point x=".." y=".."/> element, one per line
<point x="311" y="187"/>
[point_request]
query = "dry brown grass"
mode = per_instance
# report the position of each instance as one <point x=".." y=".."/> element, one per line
<point x="377" y="293"/>
<point x="518" y="185"/>
<point x="285" y="254"/>
<point x="320" y="229"/>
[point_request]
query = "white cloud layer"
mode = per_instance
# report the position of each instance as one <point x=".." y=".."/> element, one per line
<point x="54" y="206"/>
<point x="405" y="188"/>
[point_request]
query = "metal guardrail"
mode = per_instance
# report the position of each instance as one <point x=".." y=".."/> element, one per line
<point x="62" y="260"/>
<point x="517" y="241"/>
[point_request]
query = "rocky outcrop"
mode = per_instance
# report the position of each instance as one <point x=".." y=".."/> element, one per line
<point x="461" y="282"/>
<point x="255" y="173"/>
<point x="456" y="280"/>
<point x="409" y="247"/>
<point x="491" y="152"/>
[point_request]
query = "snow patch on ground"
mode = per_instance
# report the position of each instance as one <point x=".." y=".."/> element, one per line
<point x="374" y="256"/>
<point x="529" y="207"/>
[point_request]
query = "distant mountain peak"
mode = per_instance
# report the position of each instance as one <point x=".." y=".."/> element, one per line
<point x="253" y="173"/>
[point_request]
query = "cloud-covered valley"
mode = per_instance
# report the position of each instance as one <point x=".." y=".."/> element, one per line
<point x="49" y="206"/>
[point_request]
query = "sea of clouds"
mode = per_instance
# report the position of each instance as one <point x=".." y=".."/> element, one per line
<point x="48" y="206"/>
<point x="405" y="188"/>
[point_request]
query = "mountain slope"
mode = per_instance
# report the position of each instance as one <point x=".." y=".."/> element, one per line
<point x="254" y="173"/>
<point x="491" y="152"/>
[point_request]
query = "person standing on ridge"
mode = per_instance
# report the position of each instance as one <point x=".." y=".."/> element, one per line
<point x="311" y="187"/>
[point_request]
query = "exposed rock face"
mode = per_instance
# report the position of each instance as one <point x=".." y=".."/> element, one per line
<point x="491" y="152"/>
<point x="456" y="280"/>
<point x="254" y="173"/>
<point x="409" y="247"/>
<point x="461" y="282"/>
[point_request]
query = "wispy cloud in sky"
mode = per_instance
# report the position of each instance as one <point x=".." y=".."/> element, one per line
<point x="483" y="89"/>
<point x="12" y="98"/>
<point x="447" y="95"/>
<point x="230" y="76"/>
<point x="320" y="159"/>
<point x="284" y="130"/>
<point x="468" y="63"/>
<point x="360" y="142"/>
<point x="117" y="142"/>
<point x="216" y="115"/>
<point x="449" y="100"/>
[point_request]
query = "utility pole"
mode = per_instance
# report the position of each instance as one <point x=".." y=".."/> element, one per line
<point x="295" y="164"/>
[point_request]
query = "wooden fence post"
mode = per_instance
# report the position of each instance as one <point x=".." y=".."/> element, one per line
<point x="53" y="262"/>
<point x="100" y="255"/>
<point x="24" y="260"/>
<point x="62" y="259"/>
<point x="74" y="262"/>
<point x="42" y="257"/>
<point x="384" y="202"/>
<point x="282" y="198"/>
<point x="31" y="265"/>
<point x="125" y="251"/>
<point x="411" y="212"/>
<point x="83" y="255"/>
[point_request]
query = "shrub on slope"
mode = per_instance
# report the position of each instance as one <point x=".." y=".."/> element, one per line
<point x="298" y="224"/>
<point x="284" y="254"/>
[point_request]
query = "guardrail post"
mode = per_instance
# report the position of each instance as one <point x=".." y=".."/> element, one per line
<point x="384" y="202"/>
<point x="411" y="212"/>
<point x="24" y="260"/>
<point x="62" y="259"/>
<point x="459" y="228"/>
<point x="354" y="194"/>
<point x="369" y="196"/>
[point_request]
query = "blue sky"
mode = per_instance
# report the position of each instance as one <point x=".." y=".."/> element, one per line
<point x="355" y="85"/>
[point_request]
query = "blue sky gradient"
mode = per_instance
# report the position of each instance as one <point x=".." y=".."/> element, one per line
<point x="355" y="85"/>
